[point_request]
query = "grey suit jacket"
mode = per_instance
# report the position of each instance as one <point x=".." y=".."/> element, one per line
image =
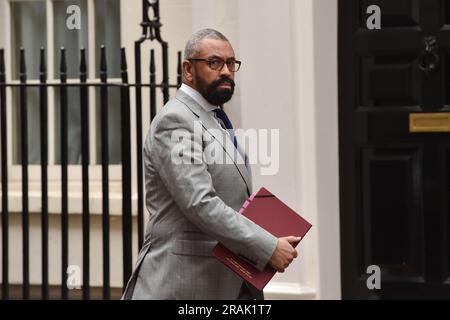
<point x="193" y="203"/>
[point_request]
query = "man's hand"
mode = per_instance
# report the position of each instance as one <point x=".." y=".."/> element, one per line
<point x="284" y="253"/>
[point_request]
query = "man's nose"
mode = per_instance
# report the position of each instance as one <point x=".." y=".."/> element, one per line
<point x="225" y="71"/>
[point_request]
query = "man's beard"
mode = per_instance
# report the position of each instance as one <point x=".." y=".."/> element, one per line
<point x="215" y="95"/>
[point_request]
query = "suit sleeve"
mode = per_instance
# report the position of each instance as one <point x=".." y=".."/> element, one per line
<point x="191" y="187"/>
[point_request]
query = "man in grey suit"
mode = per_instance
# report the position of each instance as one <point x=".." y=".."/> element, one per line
<point x="193" y="196"/>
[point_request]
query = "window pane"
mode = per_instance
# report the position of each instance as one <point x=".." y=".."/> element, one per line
<point x="71" y="39"/>
<point x="114" y="127"/>
<point x="34" y="133"/>
<point x="107" y="32"/>
<point x="28" y="30"/>
<point x="74" y="121"/>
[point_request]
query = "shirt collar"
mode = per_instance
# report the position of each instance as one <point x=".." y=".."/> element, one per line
<point x="194" y="94"/>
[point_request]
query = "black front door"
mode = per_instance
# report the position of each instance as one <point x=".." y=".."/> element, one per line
<point x="394" y="123"/>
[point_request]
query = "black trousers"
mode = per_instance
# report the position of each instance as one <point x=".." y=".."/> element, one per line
<point x="248" y="292"/>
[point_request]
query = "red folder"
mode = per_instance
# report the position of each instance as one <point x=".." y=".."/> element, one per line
<point x="272" y="214"/>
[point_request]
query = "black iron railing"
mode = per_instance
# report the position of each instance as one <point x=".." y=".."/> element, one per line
<point x="150" y="31"/>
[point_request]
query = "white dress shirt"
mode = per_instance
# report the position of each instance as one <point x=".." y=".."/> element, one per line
<point x="209" y="108"/>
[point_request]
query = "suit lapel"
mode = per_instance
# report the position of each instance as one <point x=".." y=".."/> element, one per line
<point x="214" y="129"/>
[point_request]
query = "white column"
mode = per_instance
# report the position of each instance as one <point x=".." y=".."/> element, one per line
<point x="327" y="144"/>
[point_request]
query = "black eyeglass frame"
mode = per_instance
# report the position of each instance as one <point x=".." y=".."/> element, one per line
<point x="211" y="60"/>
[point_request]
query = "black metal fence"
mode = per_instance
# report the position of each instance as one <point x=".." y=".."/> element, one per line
<point x="150" y="31"/>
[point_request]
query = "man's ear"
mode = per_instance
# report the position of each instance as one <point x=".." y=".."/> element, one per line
<point x="187" y="71"/>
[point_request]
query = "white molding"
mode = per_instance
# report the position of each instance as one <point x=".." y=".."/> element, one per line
<point x="289" y="291"/>
<point x="327" y="134"/>
<point x="304" y="115"/>
<point x="74" y="173"/>
<point x="75" y="198"/>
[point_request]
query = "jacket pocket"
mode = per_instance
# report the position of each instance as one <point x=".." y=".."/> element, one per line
<point x="193" y="248"/>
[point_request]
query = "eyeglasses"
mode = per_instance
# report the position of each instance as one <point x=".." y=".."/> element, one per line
<point x="217" y="64"/>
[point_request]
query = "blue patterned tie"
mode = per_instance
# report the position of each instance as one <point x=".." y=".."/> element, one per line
<point x="226" y="122"/>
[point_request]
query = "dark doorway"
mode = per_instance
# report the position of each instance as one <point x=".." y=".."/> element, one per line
<point x="394" y="103"/>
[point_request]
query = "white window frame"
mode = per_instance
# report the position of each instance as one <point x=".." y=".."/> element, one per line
<point x="74" y="171"/>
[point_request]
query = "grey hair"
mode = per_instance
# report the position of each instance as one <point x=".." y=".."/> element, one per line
<point x="193" y="44"/>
